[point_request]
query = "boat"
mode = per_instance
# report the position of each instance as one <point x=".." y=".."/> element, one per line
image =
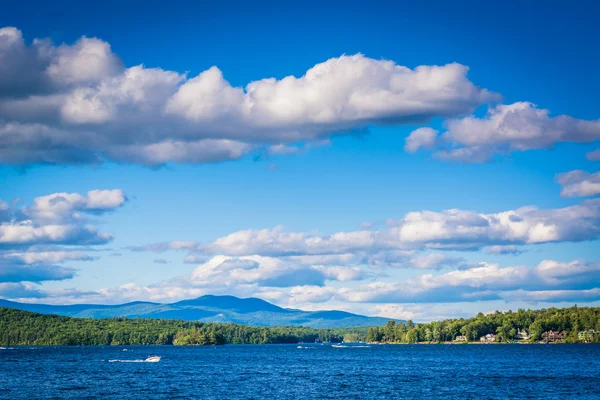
<point x="153" y="358"/>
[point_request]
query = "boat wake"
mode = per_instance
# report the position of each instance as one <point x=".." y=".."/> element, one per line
<point x="151" y="359"/>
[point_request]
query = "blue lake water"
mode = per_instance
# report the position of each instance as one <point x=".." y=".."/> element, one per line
<point x="319" y="371"/>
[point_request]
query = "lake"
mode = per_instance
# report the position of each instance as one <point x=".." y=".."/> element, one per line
<point x="317" y="371"/>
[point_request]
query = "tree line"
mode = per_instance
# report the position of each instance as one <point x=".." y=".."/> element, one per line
<point x="504" y="325"/>
<point x="23" y="328"/>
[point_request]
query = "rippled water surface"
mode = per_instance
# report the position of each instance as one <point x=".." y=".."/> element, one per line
<point x="318" y="371"/>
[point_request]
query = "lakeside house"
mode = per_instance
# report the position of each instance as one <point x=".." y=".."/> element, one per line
<point x="587" y="336"/>
<point x="522" y="335"/>
<point x="460" y="338"/>
<point x="489" y="338"/>
<point x="552" y="336"/>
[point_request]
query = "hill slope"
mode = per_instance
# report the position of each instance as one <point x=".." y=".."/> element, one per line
<point x="250" y="311"/>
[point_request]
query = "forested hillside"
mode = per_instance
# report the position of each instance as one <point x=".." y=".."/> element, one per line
<point x="23" y="328"/>
<point x="505" y="325"/>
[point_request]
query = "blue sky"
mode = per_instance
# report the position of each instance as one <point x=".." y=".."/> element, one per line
<point x="178" y="156"/>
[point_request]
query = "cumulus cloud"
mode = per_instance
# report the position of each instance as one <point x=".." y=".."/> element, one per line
<point x="251" y="276"/>
<point x="483" y="282"/>
<point x="267" y="271"/>
<point x="421" y="138"/>
<point x="78" y="103"/>
<point x="58" y="219"/>
<point x="579" y="183"/>
<point x="19" y="268"/>
<point x="246" y="276"/>
<point x="436" y="261"/>
<point x="27" y="233"/>
<point x="63" y="206"/>
<point x="241" y="276"/>
<point x="502" y="250"/>
<point x="505" y="129"/>
<point x="42" y="68"/>
<point x="451" y="229"/>
<point x="527" y="225"/>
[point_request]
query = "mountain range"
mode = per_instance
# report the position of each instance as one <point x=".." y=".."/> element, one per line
<point x="209" y="308"/>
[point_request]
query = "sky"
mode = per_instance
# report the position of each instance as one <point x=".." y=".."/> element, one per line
<point x="414" y="161"/>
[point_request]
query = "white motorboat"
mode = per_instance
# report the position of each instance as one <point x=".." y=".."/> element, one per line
<point x="153" y="359"/>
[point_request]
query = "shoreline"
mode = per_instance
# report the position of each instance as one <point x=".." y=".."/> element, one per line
<point x="12" y="347"/>
<point x="476" y="343"/>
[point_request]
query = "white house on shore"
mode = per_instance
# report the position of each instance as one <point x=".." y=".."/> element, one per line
<point x="489" y="338"/>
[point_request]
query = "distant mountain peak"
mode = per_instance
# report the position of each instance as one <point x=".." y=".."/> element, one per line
<point x="243" y="305"/>
<point x="209" y="308"/>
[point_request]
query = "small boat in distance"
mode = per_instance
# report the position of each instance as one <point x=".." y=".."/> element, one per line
<point x="153" y="358"/>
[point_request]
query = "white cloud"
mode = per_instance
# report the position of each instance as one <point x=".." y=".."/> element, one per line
<point x="31" y="257"/>
<point x="78" y="104"/>
<point x="507" y="128"/>
<point x="27" y="233"/>
<point x="526" y="225"/>
<point x="425" y="138"/>
<point x="196" y="152"/>
<point x="32" y="267"/>
<point x="436" y="261"/>
<point x="499" y="250"/>
<point x="341" y="273"/>
<point x="309" y="294"/>
<point x="89" y="60"/>
<point x="276" y="242"/>
<point x="483" y="282"/>
<point x="579" y="183"/>
<point x="56" y="219"/>
<point x="63" y="206"/>
<point x="449" y="229"/>
<point x="326" y="259"/>
<point x="398" y="311"/>
<point x="251" y="276"/>
<point x="226" y="271"/>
